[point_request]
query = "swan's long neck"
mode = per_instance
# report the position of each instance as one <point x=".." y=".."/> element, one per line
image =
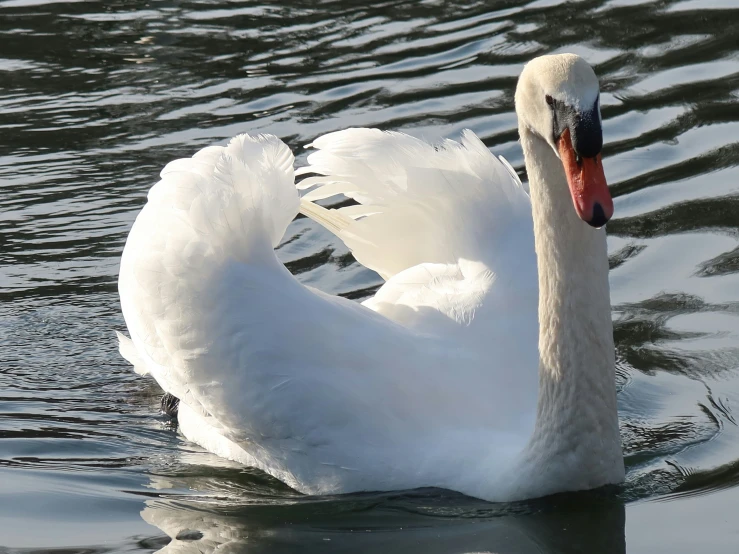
<point x="576" y="433"/>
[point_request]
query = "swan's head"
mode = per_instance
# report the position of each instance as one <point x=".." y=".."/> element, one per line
<point x="557" y="99"/>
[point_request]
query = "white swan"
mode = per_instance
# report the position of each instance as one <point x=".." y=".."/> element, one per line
<point x="433" y="382"/>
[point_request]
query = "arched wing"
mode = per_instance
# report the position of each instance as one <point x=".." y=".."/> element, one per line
<point x="417" y="203"/>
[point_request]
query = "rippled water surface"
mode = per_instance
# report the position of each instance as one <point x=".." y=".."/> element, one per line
<point x="96" y="97"/>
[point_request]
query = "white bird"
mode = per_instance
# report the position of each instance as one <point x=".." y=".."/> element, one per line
<point x="436" y="381"/>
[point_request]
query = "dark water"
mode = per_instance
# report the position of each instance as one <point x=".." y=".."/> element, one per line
<point x="96" y="97"/>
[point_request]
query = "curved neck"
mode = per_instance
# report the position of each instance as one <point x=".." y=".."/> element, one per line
<point x="577" y="419"/>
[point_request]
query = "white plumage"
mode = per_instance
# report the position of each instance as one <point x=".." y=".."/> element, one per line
<point x="432" y="382"/>
<point x="326" y="394"/>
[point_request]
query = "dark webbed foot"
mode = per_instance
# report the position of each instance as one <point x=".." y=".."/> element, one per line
<point x="170" y="405"/>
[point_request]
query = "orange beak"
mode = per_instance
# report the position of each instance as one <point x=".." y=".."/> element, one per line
<point x="588" y="187"/>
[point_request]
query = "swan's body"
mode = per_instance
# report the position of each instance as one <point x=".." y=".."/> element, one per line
<point x="433" y="381"/>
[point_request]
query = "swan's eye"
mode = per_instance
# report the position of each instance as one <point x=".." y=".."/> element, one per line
<point x="549" y="100"/>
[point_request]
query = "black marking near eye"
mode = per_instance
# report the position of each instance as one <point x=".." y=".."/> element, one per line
<point x="585" y="128"/>
<point x="587" y="135"/>
<point x="561" y="116"/>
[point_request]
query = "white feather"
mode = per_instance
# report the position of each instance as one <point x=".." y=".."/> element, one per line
<point x="432" y="204"/>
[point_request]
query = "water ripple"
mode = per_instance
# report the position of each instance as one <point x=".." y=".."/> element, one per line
<point x="97" y="96"/>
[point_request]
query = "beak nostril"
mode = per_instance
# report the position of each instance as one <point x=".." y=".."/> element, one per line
<point x="599" y="216"/>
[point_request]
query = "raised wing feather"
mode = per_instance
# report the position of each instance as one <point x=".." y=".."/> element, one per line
<point x="419" y="203"/>
<point x="448" y="226"/>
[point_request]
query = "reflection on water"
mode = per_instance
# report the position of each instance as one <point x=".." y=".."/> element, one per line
<point x="400" y="523"/>
<point x="236" y="508"/>
<point x="96" y="97"/>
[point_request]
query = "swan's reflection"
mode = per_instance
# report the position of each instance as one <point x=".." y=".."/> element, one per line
<point x="419" y="521"/>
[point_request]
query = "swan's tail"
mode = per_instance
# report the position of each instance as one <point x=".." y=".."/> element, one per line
<point x="224" y="204"/>
<point x="128" y="350"/>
